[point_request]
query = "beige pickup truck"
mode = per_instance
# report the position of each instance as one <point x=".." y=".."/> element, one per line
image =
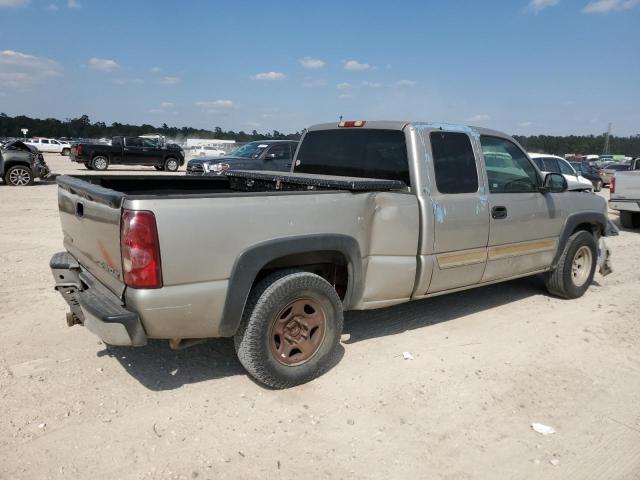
<point x="372" y="214"/>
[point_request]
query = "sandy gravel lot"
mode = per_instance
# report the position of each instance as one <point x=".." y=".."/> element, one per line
<point x="487" y="363"/>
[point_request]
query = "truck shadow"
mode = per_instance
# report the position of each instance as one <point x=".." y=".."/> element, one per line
<point x="367" y="324"/>
<point x="159" y="368"/>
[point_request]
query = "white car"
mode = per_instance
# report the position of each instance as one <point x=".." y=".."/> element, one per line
<point x="554" y="164"/>
<point x="49" y="145"/>
<point x="205" y="151"/>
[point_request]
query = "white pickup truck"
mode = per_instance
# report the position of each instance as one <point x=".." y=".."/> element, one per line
<point x="625" y="195"/>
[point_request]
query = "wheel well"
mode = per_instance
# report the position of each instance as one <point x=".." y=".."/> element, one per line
<point x="332" y="266"/>
<point x="592" y="228"/>
<point x="13" y="163"/>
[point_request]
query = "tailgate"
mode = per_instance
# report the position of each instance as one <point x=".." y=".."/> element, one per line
<point x="627" y="186"/>
<point x="90" y="217"/>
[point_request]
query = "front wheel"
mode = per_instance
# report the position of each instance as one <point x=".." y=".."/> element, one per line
<point x="575" y="269"/>
<point x="290" y="329"/>
<point x="100" y="163"/>
<point x="171" y="165"/>
<point x="18" y="176"/>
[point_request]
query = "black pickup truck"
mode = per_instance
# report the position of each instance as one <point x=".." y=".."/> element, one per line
<point x="129" y="151"/>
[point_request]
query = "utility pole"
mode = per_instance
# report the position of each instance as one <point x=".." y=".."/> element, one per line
<point x="607" y="146"/>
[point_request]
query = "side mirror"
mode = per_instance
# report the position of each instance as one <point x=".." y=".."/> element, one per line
<point x="554" y="183"/>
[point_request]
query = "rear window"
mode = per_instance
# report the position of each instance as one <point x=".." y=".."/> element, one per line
<point x="362" y="153"/>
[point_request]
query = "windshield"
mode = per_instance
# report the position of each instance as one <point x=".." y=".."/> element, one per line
<point x="250" y="150"/>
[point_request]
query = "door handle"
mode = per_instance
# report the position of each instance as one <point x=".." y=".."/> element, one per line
<point x="499" y="212"/>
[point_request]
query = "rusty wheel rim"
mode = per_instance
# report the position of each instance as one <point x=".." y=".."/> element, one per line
<point x="297" y="332"/>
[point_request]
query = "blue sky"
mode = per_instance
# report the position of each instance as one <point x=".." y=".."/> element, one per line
<point x="522" y="66"/>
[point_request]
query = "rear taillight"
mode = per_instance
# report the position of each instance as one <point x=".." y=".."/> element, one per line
<point x="140" y="249"/>
<point x="612" y="185"/>
<point x="78" y="150"/>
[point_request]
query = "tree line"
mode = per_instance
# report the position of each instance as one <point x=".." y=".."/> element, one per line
<point x="82" y="127"/>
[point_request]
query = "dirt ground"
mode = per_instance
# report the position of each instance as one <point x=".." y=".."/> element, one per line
<point x="486" y="364"/>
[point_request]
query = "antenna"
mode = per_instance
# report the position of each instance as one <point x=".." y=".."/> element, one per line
<point x="607" y="146"/>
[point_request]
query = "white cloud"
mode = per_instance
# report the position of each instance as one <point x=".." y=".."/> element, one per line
<point x="156" y="70"/>
<point x="536" y="6"/>
<point x="344" y="86"/>
<point x="406" y="83"/>
<point x="525" y="124"/>
<point x="170" y="80"/>
<point x="155" y="110"/>
<point x="270" y="76"/>
<point x="254" y="124"/>
<point x="345" y="96"/>
<point x="312" y="63"/>
<point x="73" y="4"/>
<point x="215" y="104"/>
<point x="167" y="104"/>
<point x="481" y="117"/>
<point x="14" y="3"/>
<point x="310" y="83"/>
<point x="371" y="84"/>
<point x="103" y="64"/>
<point x="606" y="6"/>
<point x="356" y="66"/>
<point x="23" y="70"/>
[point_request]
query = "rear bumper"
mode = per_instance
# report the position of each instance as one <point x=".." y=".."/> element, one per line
<point x="94" y="306"/>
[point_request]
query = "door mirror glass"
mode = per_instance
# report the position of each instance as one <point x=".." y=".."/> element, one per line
<point x="554" y="183"/>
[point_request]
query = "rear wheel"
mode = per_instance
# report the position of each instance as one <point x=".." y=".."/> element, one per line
<point x="100" y="163"/>
<point x="18" y="176"/>
<point x="630" y="219"/>
<point x="290" y="329"/>
<point x="575" y="269"/>
<point x="171" y="165"/>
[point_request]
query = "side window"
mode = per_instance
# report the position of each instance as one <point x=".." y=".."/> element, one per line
<point x="149" y="142"/>
<point x="551" y="165"/>
<point x="539" y="164"/>
<point x="508" y="168"/>
<point x="133" y="142"/>
<point x="565" y="168"/>
<point x="280" y="151"/>
<point x="44" y="140"/>
<point x="454" y="162"/>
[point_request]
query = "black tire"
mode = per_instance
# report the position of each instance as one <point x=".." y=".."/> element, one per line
<point x="598" y="186"/>
<point x="88" y="166"/>
<point x="268" y="298"/>
<point x="630" y="219"/>
<point x="18" y="176"/>
<point x="561" y="282"/>
<point x="100" y="163"/>
<point x="171" y="164"/>
<point x="65" y="152"/>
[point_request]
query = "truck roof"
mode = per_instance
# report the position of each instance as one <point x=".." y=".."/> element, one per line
<point x="401" y="124"/>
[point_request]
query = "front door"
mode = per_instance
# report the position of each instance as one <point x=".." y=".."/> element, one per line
<point x="277" y="157"/>
<point x="524" y="223"/>
<point x="133" y="151"/>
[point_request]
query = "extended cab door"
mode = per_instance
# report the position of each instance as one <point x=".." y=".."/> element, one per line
<point x="461" y="223"/>
<point x="525" y="223"/>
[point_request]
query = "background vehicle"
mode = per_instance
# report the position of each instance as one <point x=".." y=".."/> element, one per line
<point x="625" y="195"/>
<point x="594" y="175"/>
<point x="610" y="169"/>
<point x="20" y="164"/>
<point x="273" y="155"/>
<point x="49" y="145"/>
<point x="374" y="214"/>
<point x="129" y="151"/>
<point x="553" y="164"/>
<point x="207" y="151"/>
